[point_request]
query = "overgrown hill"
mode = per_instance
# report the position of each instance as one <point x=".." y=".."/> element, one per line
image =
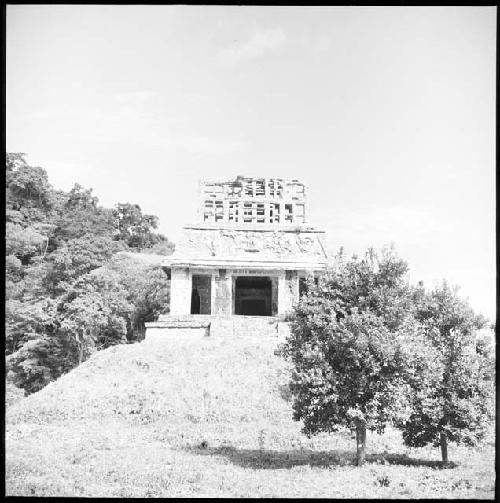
<point x="191" y="416"/>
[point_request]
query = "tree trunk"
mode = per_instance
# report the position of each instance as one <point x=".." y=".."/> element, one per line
<point x="360" y="443"/>
<point x="443" y="441"/>
<point x="80" y="353"/>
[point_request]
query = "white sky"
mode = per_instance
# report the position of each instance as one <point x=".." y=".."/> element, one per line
<point x="387" y="113"/>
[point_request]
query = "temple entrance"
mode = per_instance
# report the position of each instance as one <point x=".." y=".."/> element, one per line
<point x="195" y="302"/>
<point x="253" y="296"/>
<point x="201" y="294"/>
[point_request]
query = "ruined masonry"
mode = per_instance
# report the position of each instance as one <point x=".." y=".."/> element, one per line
<point x="242" y="266"/>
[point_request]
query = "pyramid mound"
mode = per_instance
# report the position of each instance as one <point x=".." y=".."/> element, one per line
<point x="207" y="417"/>
<point x="225" y="385"/>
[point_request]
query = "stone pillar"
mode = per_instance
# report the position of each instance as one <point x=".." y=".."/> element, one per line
<point x="233" y="294"/>
<point x="180" y="291"/>
<point x="274" y="295"/>
<point x="288" y="291"/>
<point x="223" y="293"/>
<point x="282" y="294"/>
<point x="212" y="293"/>
<point x="292" y="280"/>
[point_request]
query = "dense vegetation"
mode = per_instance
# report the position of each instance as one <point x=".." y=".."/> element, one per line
<point x="68" y="293"/>
<point x="368" y="349"/>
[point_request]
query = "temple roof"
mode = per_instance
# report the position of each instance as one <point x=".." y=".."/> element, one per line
<point x="258" y="246"/>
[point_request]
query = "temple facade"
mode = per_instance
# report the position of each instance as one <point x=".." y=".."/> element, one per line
<point x="248" y="254"/>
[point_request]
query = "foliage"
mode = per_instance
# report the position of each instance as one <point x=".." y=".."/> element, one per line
<point x="134" y="228"/>
<point x="352" y="344"/>
<point x="80" y="215"/>
<point x="368" y="349"/>
<point x="24" y="243"/>
<point x="40" y="360"/>
<point x="164" y="247"/>
<point x="76" y="258"/>
<point x="452" y="395"/>
<point x="62" y="303"/>
<point x="148" y="290"/>
<point x="28" y="192"/>
<point x="25" y="320"/>
<point x="95" y="312"/>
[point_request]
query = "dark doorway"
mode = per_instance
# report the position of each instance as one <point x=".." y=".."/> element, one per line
<point x="253" y="307"/>
<point x="253" y="295"/>
<point x="195" y="302"/>
<point x="201" y="291"/>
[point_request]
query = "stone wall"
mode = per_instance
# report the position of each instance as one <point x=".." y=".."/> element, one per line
<point x="180" y="291"/>
<point x="252" y="200"/>
<point x="216" y="326"/>
<point x="292" y="287"/>
<point x="288" y="291"/>
<point x="223" y="293"/>
<point x="274" y="295"/>
<point x="216" y="291"/>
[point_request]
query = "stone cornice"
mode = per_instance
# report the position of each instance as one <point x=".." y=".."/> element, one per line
<point x="224" y="263"/>
<point x="297" y="228"/>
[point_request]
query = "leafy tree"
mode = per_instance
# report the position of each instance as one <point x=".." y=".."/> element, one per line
<point x="76" y="258"/>
<point x="352" y="343"/>
<point x="24" y="320"/>
<point x="80" y="214"/>
<point x="13" y="161"/>
<point x="24" y="242"/>
<point x="95" y="312"/>
<point x="62" y="301"/>
<point x="40" y="360"/>
<point x="134" y="228"/>
<point x="28" y="192"/>
<point x="37" y="354"/>
<point x="451" y="395"/>
<point x="148" y="290"/>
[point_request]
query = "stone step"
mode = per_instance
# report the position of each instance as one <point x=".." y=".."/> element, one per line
<point x="184" y="317"/>
<point x="255" y="325"/>
<point x="237" y="326"/>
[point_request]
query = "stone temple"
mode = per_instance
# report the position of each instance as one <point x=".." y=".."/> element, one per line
<point x="241" y="267"/>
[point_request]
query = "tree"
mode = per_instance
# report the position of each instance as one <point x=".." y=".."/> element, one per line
<point x="28" y="191"/>
<point x="134" y="228"/>
<point x="352" y="342"/>
<point x="24" y="242"/>
<point x="79" y="214"/>
<point x="37" y="354"/>
<point x="451" y="396"/>
<point x="62" y="301"/>
<point x="94" y="312"/>
<point x="36" y="363"/>
<point x="148" y="290"/>
<point x="76" y="258"/>
<point x="23" y="320"/>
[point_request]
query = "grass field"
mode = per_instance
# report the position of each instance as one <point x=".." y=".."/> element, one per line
<point x="207" y="417"/>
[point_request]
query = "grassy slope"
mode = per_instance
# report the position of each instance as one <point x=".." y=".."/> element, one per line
<point x="131" y="422"/>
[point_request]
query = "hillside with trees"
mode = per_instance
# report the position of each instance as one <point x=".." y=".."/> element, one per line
<point x="68" y="290"/>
